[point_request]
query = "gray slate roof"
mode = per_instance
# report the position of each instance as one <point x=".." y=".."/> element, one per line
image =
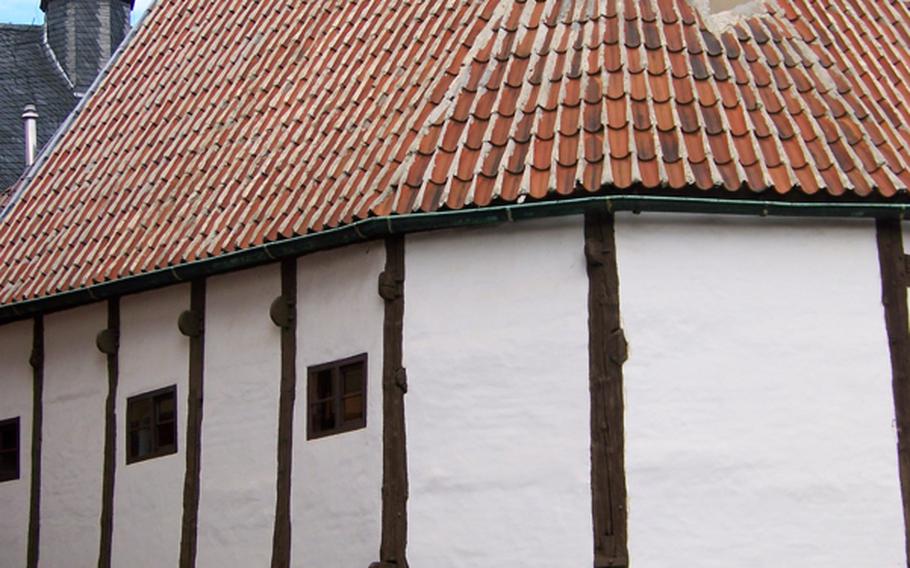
<point x="28" y="75"/>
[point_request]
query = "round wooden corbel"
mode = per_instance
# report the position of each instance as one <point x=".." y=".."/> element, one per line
<point x="401" y="379"/>
<point x="35" y="357"/>
<point x="390" y="287"/>
<point x="282" y="312"/>
<point x="620" y="350"/>
<point x="107" y="341"/>
<point x="190" y="323"/>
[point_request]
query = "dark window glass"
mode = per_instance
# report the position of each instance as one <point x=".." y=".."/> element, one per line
<point x="337" y="397"/>
<point x="353" y="408"/>
<point x="353" y="378"/>
<point x="167" y="438"/>
<point x="151" y="420"/>
<point x="324" y="384"/>
<point x="323" y="416"/>
<point x="9" y="449"/>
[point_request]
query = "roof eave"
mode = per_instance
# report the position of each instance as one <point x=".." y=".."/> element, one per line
<point x="379" y="227"/>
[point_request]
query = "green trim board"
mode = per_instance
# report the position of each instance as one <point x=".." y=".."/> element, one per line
<point x="381" y="227"/>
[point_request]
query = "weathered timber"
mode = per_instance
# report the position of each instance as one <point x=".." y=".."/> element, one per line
<point x="196" y="334"/>
<point x="607" y="353"/>
<point x="109" y="344"/>
<point x="34" y="509"/>
<point x="393" y="548"/>
<point x="286" y="319"/>
<point x="894" y="299"/>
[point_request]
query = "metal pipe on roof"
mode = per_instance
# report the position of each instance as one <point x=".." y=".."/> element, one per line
<point x="30" y="123"/>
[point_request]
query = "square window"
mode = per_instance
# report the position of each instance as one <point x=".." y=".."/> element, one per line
<point x="151" y="420"/>
<point x="9" y="449"/>
<point x="336" y="397"/>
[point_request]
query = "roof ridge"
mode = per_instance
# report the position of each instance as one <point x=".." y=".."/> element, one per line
<point x="20" y="27"/>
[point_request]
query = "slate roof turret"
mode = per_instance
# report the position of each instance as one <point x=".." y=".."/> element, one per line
<point x="28" y="75"/>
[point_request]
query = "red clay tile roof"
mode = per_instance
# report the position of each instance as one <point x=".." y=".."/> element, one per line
<point x="595" y="94"/>
<point x="224" y="125"/>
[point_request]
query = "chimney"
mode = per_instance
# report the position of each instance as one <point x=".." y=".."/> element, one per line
<point x="83" y="34"/>
<point x="30" y="122"/>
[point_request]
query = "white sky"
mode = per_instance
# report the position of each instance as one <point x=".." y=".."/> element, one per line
<point x="141" y="7"/>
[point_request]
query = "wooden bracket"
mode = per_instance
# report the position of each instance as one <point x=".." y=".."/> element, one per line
<point x="282" y="312"/>
<point x="594" y="252"/>
<point x="390" y="287"/>
<point x="619" y="348"/>
<point x="401" y="379"/>
<point x="190" y="323"/>
<point x="107" y="341"/>
<point x="36" y="357"/>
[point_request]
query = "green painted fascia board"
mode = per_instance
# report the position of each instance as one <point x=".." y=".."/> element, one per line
<point x="378" y="227"/>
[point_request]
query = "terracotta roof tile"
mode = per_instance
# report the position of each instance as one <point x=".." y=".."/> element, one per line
<point x="217" y="130"/>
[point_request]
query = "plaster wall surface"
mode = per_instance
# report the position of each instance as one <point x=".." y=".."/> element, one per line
<point x="759" y="412"/>
<point x="72" y="462"/>
<point x="240" y="423"/>
<point x="16" y="401"/>
<point x="498" y="404"/>
<point x="148" y="495"/>
<point x="337" y="481"/>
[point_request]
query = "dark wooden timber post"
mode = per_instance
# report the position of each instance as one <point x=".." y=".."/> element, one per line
<point x="34" y="509"/>
<point x="192" y="325"/>
<point x="284" y="315"/>
<point x="393" y="549"/>
<point x="893" y="263"/>
<point x="108" y="342"/>
<point x="607" y="353"/>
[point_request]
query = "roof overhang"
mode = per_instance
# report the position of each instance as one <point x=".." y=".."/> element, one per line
<point x="380" y="227"/>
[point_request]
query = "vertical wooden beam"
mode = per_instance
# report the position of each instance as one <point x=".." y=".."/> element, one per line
<point x="193" y="325"/>
<point x="894" y="298"/>
<point x="287" y="303"/>
<point x="34" y="514"/>
<point x="606" y="353"/>
<point x="109" y="344"/>
<point x="393" y="549"/>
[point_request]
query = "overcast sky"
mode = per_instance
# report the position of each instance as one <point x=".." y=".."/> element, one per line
<point x="29" y="11"/>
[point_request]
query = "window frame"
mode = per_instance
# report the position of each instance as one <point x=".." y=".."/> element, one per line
<point x="157" y="450"/>
<point x="17" y="450"/>
<point x="338" y="397"/>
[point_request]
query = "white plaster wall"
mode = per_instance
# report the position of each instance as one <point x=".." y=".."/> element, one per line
<point x="759" y="413"/>
<point x="16" y="400"/>
<point x="240" y="426"/>
<point x="72" y="451"/>
<point x="337" y="480"/>
<point x="148" y="495"/>
<point x="498" y="404"/>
